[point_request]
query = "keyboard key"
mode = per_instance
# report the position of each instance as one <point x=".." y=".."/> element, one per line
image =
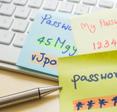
<point x="35" y="3"/>
<point x="22" y="12"/>
<point x="95" y="9"/>
<point x="20" y="25"/>
<point x="20" y="2"/>
<point x="33" y="14"/>
<point x="0" y="4"/>
<point x="106" y="3"/>
<point x="6" y="1"/>
<point x="5" y="22"/>
<point x="74" y="1"/>
<point x="6" y="37"/>
<point x="66" y="7"/>
<point x="19" y="40"/>
<point x="82" y="9"/>
<point x="50" y="5"/>
<point x="7" y="9"/>
<point x="90" y="2"/>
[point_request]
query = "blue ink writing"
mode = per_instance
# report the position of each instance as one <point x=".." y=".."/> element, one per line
<point x="58" y="43"/>
<point x="41" y="57"/>
<point x="90" y="104"/>
<point x="49" y="20"/>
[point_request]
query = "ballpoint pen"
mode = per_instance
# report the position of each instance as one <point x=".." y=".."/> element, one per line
<point x="27" y="95"/>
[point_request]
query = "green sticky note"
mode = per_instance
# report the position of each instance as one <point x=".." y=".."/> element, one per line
<point x="89" y="83"/>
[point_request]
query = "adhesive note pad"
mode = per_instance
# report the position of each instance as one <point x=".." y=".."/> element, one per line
<point x="88" y="83"/>
<point x="95" y="32"/>
<point x="49" y="37"/>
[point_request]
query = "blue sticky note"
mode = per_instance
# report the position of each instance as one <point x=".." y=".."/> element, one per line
<point x="50" y="37"/>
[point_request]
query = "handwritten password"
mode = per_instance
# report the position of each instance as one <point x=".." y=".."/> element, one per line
<point x="49" y="20"/>
<point x="58" y="43"/>
<point x="90" y="27"/>
<point x="92" y="78"/>
<point x="95" y="103"/>
<point x="104" y="44"/>
<point x="43" y="58"/>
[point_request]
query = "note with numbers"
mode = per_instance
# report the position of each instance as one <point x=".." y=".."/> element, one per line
<point x="95" y="32"/>
<point x="50" y="36"/>
<point x="88" y="82"/>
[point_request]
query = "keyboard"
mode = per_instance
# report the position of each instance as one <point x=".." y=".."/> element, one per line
<point x="16" y="17"/>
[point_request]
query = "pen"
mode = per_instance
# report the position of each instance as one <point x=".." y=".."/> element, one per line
<point x="27" y="95"/>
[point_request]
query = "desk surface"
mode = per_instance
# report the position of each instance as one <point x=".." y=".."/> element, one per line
<point x="11" y="82"/>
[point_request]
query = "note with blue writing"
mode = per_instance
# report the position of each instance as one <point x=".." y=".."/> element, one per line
<point x="88" y="82"/>
<point x="49" y="37"/>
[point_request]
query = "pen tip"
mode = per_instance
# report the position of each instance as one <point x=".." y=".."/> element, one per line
<point x="50" y="89"/>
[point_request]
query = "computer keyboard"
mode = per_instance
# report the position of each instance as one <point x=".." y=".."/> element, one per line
<point x="16" y="16"/>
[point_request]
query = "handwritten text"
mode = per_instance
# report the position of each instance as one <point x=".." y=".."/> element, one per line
<point x="92" y="78"/>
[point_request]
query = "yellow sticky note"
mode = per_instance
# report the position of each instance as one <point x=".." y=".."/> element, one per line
<point x="95" y="32"/>
<point x="89" y="83"/>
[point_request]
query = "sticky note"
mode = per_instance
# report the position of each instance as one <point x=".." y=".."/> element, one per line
<point x="50" y="36"/>
<point x="95" y="32"/>
<point x="89" y="82"/>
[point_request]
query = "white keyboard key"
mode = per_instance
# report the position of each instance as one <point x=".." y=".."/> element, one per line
<point x="50" y="5"/>
<point x="35" y="3"/>
<point x="106" y="3"/>
<point x="82" y="9"/>
<point x="6" y="37"/>
<point x="7" y="9"/>
<point x="6" y="1"/>
<point x="66" y="7"/>
<point x="19" y="40"/>
<point x="33" y="14"/>
<point x="74" y="1"/>
<point x="22" y="12"/>
<point x="20" y="2"/>
<point x="90" y="2"/>
<point x="5" y="22"/>
<point x="20" y="25"/>
<point x="96" y="9"/>
<point x="0" y="4"/>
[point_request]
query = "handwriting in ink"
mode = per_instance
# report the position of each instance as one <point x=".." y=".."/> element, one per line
<point x="104" y="44"/>
<point x="58" y="43"/>
<point x="49" y="20"/>
<point x="95" y="103"/>
<point x="41" y="57"/>
<point x="88" y="27"/>
<point x="92" y="78"/>
<point x="107" y="22"/>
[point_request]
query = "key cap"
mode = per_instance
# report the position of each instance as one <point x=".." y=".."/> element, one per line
<point x="20" y="25"/>
<point x="35" y="3"/>
<point x="90" y="2"/>
<point x="66" y="7"/>
<point x="106" y="3"/>
<point x="74" y="1"/>
<point x="19" y="40"/>
<point x="6" y="1"/>
<point x="22" y="12"/>
<point x="81" y="9"/>
<point x="0" y="4"/>
<point x="6" y="37"/>
<point x="5" y="22"/>
<point x="50" y="5"/>
<point x="7" y="9"/>
<point x="20" y="2"/>
<point x="95" y="9"/>
<point x="33" y="14"/>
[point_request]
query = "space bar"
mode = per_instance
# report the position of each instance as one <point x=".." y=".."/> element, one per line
<point x="9" y="54"/>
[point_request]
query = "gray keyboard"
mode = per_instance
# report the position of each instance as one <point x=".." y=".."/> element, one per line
<point x="16" y="16"/>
